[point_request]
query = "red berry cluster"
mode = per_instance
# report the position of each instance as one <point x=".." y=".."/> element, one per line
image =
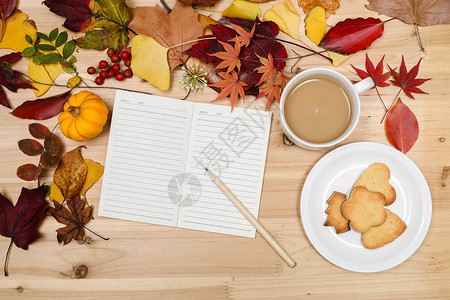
<point x="113" y="68"/>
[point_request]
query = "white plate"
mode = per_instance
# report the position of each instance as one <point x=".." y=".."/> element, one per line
<point x="337" y="171"/>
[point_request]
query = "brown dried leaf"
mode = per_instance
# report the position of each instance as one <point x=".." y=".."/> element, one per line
<point x="169" y="30"/>
<point x="74" y="218"/>
<point x="71" y="173"/>
<point x="420" y="12"/>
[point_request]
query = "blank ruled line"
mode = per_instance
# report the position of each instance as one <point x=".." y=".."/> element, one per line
<point x="138" y="193"/>
<point x="146" y="117"/>
<point x="143" y="160"/>
<point x="140" y="209"/>
<point x="153" y="156"/>
<point x="134" y="180"/>
<point x="151" y="112"/>
<point x="125" y="198"/>
<point x="128" y="164"/>
<point x="217" y="142"/>
<point x="217" y="225"/>
<point x="238" y="216"/>
<point x="146" y="128"/>
<point x="214" y="120"/>
<point x="134" y="214"/>
<point x="135" y="171"/>
<point x="153" y="151"/>
<point x="141" y="204"/>
<point x="151" y="145"/>
<point x="152" y="134"/>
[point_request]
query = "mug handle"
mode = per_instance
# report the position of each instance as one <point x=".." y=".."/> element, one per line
<point x="364" y="85"/>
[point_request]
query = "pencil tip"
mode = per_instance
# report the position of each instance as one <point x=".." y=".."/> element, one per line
<point x="206" y="169"/>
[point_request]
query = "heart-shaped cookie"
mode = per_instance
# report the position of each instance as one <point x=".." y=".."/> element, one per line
<point x="376" y="179"/>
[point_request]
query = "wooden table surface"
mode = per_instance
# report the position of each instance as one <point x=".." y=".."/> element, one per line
<point x="144" y="261"/>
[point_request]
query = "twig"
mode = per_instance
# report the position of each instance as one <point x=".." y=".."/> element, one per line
<point x="169" y="10"/>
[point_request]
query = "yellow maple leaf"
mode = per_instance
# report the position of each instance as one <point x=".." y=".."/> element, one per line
<point x="16" y="27"/>
<point x="315" y="24"/>
<point x="150" y="61"/>
<point x="242" y="9"/>
<point x="286" y="17"/>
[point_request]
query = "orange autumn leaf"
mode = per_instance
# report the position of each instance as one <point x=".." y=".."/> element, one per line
<point x="231" y="86"/>
<point x="230" y="57"/>
<point x="329" y="5"/>
<point x="272" y="91"/>
<point x="244" y="37"/>
<point x="282" y="80"/>
<point x="267" y="68"/>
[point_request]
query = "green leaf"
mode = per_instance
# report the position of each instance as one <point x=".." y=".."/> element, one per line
<point x="43" y="36"/>
<point x="46" y="47"/>
<point x="104" y="37"/>
<point x="28" y="39"/>
<point x="53" y="34"/>
<point x="62" y="38"/>
<point x="50" y="58"/>
<point x="68" y="67"/>
<point x="72" y="60"/>
<point x="37" y="58"/>
<point x="28" y="52"/>
<point x="68" y="49"/>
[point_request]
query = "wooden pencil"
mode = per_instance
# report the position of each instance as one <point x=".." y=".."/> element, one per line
<point x="258" y="226"/>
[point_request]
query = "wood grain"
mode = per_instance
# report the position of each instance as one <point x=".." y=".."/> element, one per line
<point x="142" y="261"/>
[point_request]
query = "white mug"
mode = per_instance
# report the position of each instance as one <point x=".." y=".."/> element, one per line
<point x="352" y="90"/>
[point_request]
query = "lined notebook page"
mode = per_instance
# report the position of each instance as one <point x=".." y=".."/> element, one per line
<point x="233" y="145"/>
<point x="147" y="147"/>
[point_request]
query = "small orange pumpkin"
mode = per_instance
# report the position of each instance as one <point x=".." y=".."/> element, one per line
<point x="83" y="117"/>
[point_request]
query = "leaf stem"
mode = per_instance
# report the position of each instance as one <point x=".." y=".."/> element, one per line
<point x="5" y="267"/>
<point x="419" y="40"/>
<point x="303" y="47"/>
<point x="192" y="41"/>
<point x="379" y="96"/>
<point x="95" y="233"/>
<point x="390" y="106"/>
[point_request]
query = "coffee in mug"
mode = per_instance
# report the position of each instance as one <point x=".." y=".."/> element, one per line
<point x="318" y="109"/>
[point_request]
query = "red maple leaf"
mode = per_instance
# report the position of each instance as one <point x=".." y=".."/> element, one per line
<point x="244" y="37"/>
<point x="231" y="86"/>
<point x="9" y="78"/>
<point x="20" y="222"/>
<point x="377" y="75"/>
<point x="272" y="91"/>
<point x="267" y="68"/>
<point x="407" y="81"/>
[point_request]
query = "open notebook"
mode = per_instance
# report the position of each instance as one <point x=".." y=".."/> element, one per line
<point x="157" y="151"/>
